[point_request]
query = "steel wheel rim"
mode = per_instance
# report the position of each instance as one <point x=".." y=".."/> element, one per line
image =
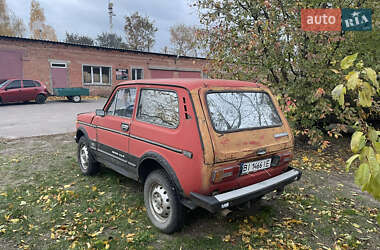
<point x="84" y="156"/>
<point x="159" y="202"/>
<point x="76" y="98"/>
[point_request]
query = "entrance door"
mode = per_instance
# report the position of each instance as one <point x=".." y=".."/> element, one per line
<point x="59" y="75"/>
<point x="10" y="64"/>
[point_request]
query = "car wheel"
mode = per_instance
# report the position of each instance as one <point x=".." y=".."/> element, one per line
<point x="70" y="98"/>
<point x="76" y="98"/>
<point x="88" y="164"/>
<point x="40" y="99"/>
<point x="162" y="203"/>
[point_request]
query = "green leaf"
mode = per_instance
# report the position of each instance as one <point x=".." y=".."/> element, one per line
<point x="373" y="163"/>
<point x="376" y="145"/>
<point x="338" y="94"/>
<point x="362" y="176"/>
<point x="373" y="186"/>
<point x="349" y="161"/>
<point x="372" y="135"/>
<point x="372" y="76"/>
<point x="353" y="80"/>
<point x="378" y="218"/>
<point x="365" y="95"/>
<point x="348" y="61"/>
<point x="357" y="142"/>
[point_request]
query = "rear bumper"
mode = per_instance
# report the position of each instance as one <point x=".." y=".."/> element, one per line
<point x="241" y="195"/>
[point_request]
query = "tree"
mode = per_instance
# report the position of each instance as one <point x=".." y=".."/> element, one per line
<point x="184" y="40"/>
<point x="262" y="40"/>
<point x="139" y="32"/>
<point x="37" y="26"/>
<point x="365" y="142"/>
<point x="110" y="40"/>
<point x="10" y="25"/>
<point x="79" y="39"/>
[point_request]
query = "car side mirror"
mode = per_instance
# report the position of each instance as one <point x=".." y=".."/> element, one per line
<point x="100" y="112"/>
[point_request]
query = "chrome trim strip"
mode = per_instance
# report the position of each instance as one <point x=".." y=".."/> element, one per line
<point x="281" y="135"/>
<point x="157" y="144"/>
<point x="112" y="130"/>
<point x="132" y="164"/>
<point x="87" y="124"/>
<point x="104" y="152"/>
<point x="256" y="187"/>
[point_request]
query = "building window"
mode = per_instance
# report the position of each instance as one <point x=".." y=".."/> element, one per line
<point x="58" y="65"/>
<point x="96" y="75"/>
<point x="159" y="107"/>
<point x="137" y="73"/>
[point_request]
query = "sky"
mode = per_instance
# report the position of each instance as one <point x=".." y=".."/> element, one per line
<point x="90" y="17"/>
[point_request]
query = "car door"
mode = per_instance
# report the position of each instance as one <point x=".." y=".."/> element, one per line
<point x="29" y="90"/>
<point x="112" y="130"/>
<point x="13" y="92"/>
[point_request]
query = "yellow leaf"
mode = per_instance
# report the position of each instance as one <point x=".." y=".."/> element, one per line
<point x="14" y="220"/>
<point x="356" y="225"/>
<point x="101" y="193"/>
<point x="52" y="236"/>
<point x="227" y="238"/>
<point x="305" y="159"/>
<point x="262" y="231"/>
<point x="93" y="188"/>
<point x="4" y="194"/>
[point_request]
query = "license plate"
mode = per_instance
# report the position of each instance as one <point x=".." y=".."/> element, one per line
<point x="254" y="166"/>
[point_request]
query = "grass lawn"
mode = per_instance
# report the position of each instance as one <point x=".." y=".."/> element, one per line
<point x="45" y="203"/>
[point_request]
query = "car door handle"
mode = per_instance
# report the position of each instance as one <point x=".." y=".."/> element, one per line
<point x="124" y="127"/>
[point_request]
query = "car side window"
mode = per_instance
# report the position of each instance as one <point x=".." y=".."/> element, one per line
<point x="16" y="84"/>
<point x="123" y="103"/>
<point x="29" y="84"/>
<point x="159" y="107"/>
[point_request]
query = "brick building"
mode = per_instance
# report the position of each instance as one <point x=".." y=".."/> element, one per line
<point x="61" y="65"/>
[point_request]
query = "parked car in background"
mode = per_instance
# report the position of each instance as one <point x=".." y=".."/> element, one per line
<point x="214" y="144"/>
<point x="17" y="90"/>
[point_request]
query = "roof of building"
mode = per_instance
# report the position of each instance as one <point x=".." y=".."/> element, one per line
<point x="93" y="47"/>
<point x="196" y="83"/>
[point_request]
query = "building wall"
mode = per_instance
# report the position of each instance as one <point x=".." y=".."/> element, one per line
<point x="37" y="56"/>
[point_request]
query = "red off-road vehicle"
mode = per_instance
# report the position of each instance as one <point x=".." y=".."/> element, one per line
<point x="193" y="143"/>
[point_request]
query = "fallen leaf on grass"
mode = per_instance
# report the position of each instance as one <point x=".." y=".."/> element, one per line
<point x="227" y="238"/>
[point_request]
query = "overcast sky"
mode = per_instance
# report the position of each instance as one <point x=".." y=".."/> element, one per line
<point x="90" y="17"/>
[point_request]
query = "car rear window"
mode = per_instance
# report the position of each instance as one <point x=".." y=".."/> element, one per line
<point x="233" y="111"/>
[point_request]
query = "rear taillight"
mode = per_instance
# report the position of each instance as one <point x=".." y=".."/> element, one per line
<point x="225" y="174"/>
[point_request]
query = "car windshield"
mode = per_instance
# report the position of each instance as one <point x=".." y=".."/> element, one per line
<point x="232" y="111"/>
<point x="3" y="82"/>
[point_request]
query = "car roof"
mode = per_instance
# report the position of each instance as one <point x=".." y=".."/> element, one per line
<point x="195" y="83"/>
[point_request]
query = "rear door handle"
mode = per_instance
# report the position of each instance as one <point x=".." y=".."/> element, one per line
<point x="124" y="127"/>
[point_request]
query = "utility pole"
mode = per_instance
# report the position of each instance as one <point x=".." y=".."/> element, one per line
<point x="110" y="13"/>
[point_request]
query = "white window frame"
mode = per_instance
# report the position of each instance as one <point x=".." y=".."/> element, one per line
<point x="133" y="67"/>
<point x="101" y="75"/>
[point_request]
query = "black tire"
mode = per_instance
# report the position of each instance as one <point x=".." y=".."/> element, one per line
<point x="162" y="204"/>
<point x="70" y="98"/>
<point x="87" y="163"/>
<point x="76" y="98"/>
<point x="40" y="99"/>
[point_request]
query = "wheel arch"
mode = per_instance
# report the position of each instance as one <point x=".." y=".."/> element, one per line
<point x="80" y="132"/>
<point x="151" y="161"/>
